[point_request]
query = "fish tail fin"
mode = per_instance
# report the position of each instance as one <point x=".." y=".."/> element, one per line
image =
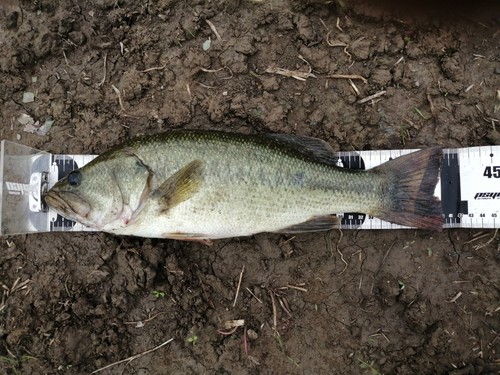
<point x="411" y="180"/>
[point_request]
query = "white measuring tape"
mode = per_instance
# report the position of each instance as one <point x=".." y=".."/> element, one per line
<point x="469" y="188"/>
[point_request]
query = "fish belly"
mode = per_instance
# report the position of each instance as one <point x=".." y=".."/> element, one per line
<point x="236" y="211"/>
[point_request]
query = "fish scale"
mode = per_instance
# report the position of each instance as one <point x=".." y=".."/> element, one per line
<point x="232" y="207"/>
<point x="196" y="185"/>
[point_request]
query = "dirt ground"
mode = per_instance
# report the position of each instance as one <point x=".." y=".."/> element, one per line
<point x="391" y="302"/>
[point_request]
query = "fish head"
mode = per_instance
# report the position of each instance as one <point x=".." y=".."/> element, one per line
<point x="89" y="196"/>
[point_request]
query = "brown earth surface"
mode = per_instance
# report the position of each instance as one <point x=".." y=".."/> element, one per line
<point x="391" y="302"/>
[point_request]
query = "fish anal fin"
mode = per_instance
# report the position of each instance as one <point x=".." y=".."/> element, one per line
<point x="313" y="147"/>
<point x="179" y="187"/>
<point x="317" y="223"/>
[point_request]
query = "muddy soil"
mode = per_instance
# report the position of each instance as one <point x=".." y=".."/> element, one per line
<point x="375" y="302"/>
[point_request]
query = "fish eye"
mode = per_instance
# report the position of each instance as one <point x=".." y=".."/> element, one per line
<point x="75" y="178"/>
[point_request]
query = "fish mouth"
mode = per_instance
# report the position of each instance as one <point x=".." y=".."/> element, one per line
<point x="68" y="204"/>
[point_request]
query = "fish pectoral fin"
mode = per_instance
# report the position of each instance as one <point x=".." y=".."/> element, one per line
<point x="179" y="187"/>
<point x="317" y="223"/>
<point x="191" y="237"/>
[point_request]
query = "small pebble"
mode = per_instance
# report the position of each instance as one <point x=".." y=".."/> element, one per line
<point x="252" y="335"/>
<point x="28" y="97"/>
<point x="206" y="44"/>
<point x="497" y="70"/>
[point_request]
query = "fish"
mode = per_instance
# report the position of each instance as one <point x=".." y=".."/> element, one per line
<point x="201" y="185"/>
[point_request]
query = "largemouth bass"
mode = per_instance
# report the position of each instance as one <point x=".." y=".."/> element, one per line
<point x="202" y="185"/>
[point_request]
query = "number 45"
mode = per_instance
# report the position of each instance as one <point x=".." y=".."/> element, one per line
<point x="492" y="171"/>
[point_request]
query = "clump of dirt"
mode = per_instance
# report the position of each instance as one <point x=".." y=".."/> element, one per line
<point x="398" y="302"/>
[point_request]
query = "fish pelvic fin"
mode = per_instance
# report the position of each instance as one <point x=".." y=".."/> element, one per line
<point x="179" y="187"/>
<point x="189" y="237"/>
<point x="411" y="180"/>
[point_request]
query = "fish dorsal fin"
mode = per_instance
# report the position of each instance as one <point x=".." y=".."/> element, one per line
<point x="313" y="147"/>
<point x="179" y="187"/>
<point x="317" y="223"/>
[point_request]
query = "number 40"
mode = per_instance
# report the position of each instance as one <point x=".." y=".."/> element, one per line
<point x="492" y="171"/>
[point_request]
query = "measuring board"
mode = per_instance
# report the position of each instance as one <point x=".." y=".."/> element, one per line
<point x="469" y="188"/>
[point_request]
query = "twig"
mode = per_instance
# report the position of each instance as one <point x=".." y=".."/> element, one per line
<point x="457" y="296"/>
<point x="324" y="24"/>
<point x="212" y="70"/>
<point x="284" y="305"/>
<point x="205" y="86"/>
<point x="307" y="63"/>
<point x="480" y="246"/>
<point x="335" y="43"/>
<point x="218" y="70"/>
<point x="419" y="112"/>
<point x="19" y="286"/>
<point x="477" y="236"/>
<point x="154" y="68"/>
<point x="275" y="312"/>
<point x="122" y="107"/>
<point x="331" y="44"/>
<point x="354" y="87"/>
<point x="228" y="324"/>
<point x="360" y="255"/>
<point x="212" y="26"/>
<point x="141" y="323"/>
<point x="16" y="285"/>
<point x="231" y="326"/>
<point x="130" y="359"/>
<point x="388" y="251"/>
<point x="337" y="25"/>
<point x="254" y="296"/>
<point x="239" y="285"/>
<point x="431" y="104"/>
<point x="301" y="76"/>
<point x="66" y="59"/>
<point x="296" y="287"/>
<point x="119" y="95"/>
<point x="347" y="76"/>
<point x="350" y="58"/>
<point x="227" y="333"/>
<point x="245" y="340"/>
<point x="371" y="97"/>
<point x="468" y="88"/>
<point x="297" y="74"/>
<point x="338" y="251"/>
<point x="380" y="332"/>
<point x="399" y="60"/>
<point x="104" y="75"/>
